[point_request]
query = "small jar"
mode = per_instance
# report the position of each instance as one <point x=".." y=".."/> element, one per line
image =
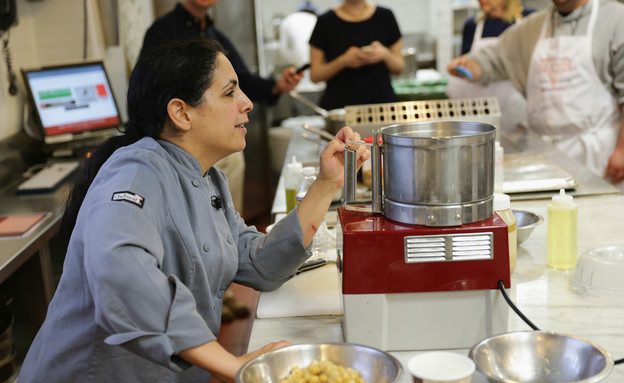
<point x="502" y="207"/>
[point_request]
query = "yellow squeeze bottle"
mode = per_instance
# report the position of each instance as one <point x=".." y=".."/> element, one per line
<point x="562" y="231"/>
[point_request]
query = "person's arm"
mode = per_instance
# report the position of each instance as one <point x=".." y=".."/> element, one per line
<point x="314" y="206"/>
<point x="615" y="167"/>
<point x="213" y="357"/>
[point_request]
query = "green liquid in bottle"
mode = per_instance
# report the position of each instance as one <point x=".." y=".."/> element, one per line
<point x="291" y="199"/>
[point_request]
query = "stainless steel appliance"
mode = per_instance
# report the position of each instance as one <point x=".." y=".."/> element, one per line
<point x="421" y="267"/>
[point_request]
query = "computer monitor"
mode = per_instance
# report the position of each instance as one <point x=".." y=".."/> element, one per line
<point x="72" y="101"/>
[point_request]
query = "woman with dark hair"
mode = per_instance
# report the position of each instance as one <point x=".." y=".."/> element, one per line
<point x="155" y="240"/>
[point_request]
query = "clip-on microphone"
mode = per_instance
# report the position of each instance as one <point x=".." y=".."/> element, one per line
<point x="216" y="201"/>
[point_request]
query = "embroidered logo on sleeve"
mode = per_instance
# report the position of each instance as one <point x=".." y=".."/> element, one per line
<point x="131" y="197"/>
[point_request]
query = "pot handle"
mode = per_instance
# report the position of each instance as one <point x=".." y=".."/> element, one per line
<point x="350" y="179"/>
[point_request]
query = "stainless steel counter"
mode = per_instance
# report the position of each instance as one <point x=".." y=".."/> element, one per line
<point x="544" y="295"/>
<point x="15" y="251"/>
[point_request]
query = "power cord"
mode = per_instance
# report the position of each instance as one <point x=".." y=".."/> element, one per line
<point x="501" y="287"/>
<point x="9" y="64"/>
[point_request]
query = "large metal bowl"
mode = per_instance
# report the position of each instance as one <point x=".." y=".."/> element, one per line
<point x="374" y="365"/>
<point x="540" y="356"/>
<point x="526" y="222"/>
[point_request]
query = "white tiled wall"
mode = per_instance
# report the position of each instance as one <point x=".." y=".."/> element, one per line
<point x="48" y="32"/>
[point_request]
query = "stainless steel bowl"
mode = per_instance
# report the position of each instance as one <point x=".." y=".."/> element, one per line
<point x="540" y="356"/>
<point x="526" y="222"/>
<point x="374" y="365"/>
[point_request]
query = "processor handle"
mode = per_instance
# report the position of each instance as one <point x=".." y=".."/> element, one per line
<point x="350" y="179"/>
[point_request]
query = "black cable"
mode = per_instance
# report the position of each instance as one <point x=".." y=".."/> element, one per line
<point x="501" y="286"/>
<point x="9" y="64"/>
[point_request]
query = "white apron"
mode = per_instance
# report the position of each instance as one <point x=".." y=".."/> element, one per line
<point x="567" y="102"/>
<point x="510" y="101"/>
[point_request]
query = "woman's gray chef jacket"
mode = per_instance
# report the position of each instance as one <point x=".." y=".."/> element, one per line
<point x="146" y="268"/>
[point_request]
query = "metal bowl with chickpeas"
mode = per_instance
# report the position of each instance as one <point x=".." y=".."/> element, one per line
<point x="276" y="366"/>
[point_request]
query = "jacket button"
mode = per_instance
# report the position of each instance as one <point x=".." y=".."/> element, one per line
<point x="195" y="183"/>
<point x="206" y="247"/>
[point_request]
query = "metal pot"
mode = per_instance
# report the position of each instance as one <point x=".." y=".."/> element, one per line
<point x="334" y="119"/>
<point x="438" y="173"/>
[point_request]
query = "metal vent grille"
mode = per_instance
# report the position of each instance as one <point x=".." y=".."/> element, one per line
<point x="480" y="109"/>
<point x="449" y="247"/>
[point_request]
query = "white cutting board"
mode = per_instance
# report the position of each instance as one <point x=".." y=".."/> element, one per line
<point x="314" y="292"/>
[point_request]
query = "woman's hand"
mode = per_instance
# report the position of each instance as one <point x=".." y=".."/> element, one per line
<point x="213" y="357"/>
<point x="374" y="53"/>
<point x="391" y="56"/>
<point x="353" y="58"/>
<point x="332" y="156"/>
<point x="313" y="207"/>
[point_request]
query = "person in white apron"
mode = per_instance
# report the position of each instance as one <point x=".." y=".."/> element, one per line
<point x="567" y="103"/>
<point x="511" y="102"/>
<point x="569" y="68"/>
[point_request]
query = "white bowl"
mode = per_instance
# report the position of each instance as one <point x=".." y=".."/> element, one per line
<point x="599" y="271"/>
<point x="441" y="366"/>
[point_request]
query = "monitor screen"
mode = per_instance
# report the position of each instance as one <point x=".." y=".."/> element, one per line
<point x="71" y="99"/>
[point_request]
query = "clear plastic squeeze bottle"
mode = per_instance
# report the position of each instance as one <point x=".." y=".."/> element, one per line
<point x="562" y="231"/>
<point x="502" y="206"/>
<point x="292" y="179"/>
<point x="309" y="175"/>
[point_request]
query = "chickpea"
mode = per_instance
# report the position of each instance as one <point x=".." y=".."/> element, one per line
<point x="323" y="372"/>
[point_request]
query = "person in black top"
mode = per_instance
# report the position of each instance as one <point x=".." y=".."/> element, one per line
<point x="189" y="20"/>
<point x="355" y="47"/>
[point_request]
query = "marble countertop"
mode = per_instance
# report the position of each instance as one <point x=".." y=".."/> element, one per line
<point x="544" y="295"/>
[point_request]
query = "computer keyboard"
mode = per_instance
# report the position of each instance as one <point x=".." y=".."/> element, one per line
<point x="49" y="178"/>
